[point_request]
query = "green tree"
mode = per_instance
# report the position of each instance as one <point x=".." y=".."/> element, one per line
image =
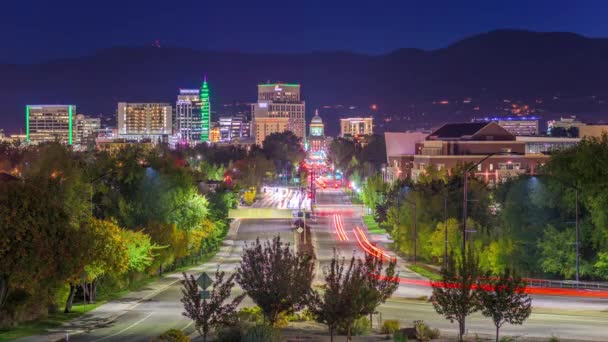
<point x="275" y="278"/>
<point x="454" y="296"/>
<point x="503" y="299"/>
<point x="557" y="252"/>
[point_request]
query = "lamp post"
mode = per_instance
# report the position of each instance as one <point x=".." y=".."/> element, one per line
<point x="415" y="229"/>
<point x="465" y="201"/>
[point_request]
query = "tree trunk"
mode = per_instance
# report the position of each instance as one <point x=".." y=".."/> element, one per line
<point x="205" y="336"/>
<point x="93" y="293"/>
<point x="461" y="329"/>
<point x="331" y="334"/>
<point x="3" y="289"/>
<point x="497" y="328"/>
<point x="348" y="335"/>
<point x="68" y="304"/>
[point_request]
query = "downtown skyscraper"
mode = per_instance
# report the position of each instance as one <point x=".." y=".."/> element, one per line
<point x="205" y="111"/>
<point x="279" y="108"/>
<point x="188" y="116"/>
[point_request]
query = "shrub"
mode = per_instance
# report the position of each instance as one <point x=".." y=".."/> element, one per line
<point x="361" y="326"/>
<point x="390" y="326"/>
<point x="554" y="339"/>
<point x="230" y="334"/>
<point x="424" y="332"/>
<point x="173" y="335"/>
<point x="399" y="336"/>
<point x="252" y="314"/>
<point x="307" y="316"/>
<point x="261" y="333"/>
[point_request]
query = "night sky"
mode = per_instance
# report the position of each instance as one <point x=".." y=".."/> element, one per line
<point x="39" y="30"/>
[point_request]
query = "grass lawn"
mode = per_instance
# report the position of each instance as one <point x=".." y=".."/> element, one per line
<point x="41" y="325"/>
<point x="372" y="225"/>
<point x="425" y="272"/>
<point x="57" y="319"/>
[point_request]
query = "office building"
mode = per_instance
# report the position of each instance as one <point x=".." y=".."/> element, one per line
<point x="205" y="111"/>
<point x="187" y="125"/>
<point x="518" y="126"/>
<point x="234" y="128"/>
<point x="278" y="101"/>
<point x="454" y="145"/>
<point x="264" y="126"/>
<point x="354" y="127"/>
<point x="214" y="134"/>
<point x="46" y="123"/>
<point x="144" y="120"/>
<point x="87" y="129"/>
<point x="316" y="135"/>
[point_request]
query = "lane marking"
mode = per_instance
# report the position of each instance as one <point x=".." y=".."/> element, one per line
<point x="187" y="325"/>
<point x="125" y="329"/>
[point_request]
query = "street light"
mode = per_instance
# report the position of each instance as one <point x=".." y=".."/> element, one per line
<point x="465" y="201"/>
<point x="415" y="228"/>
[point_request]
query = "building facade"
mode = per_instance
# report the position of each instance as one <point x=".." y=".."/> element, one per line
<point x="279" y="101"/>
<point x="454" y="145"/>
<point x="595" y="131"/>
<point x="205" y="111"/>
<point x="87" y="129"/>
<point x="187" y="125"/>
<point x="564" y="127"/>
<point x="264" y="126"/>
<point x="316" y="134"/>
<point x="353" y="127"/>
<point x="46" y="123"/>
<point x="144" y="120"/>
<point x="234" y="128"/>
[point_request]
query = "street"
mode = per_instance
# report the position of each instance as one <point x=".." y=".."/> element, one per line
<point x="565" y="317"/>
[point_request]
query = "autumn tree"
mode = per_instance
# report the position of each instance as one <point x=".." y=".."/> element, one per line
<point x="454" y="296"/>
<point x="276" y="279"/>
<point x="503" y="299"/>
<point x="214" y="311"/>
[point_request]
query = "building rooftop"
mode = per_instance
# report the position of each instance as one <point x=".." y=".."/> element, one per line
<point x="471" y="131"/>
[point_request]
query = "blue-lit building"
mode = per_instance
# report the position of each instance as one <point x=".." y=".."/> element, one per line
<point x="518" y="125"/>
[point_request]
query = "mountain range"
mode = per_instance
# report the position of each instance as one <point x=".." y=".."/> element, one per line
<point x="559" y="73"/>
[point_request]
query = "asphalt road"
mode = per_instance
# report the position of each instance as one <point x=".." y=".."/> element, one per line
<point x="565" y="317"/>
<point x="164" y="311"/>
<point x="576" y="318"/>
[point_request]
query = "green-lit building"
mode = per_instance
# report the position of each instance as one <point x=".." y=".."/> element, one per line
<point x="47" y="123"/>
<point x="205" y="111"/>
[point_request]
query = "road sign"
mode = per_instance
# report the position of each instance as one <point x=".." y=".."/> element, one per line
<point x="299" y="230"/>
<point x="204" y="294"/>
<point x="204" y="281"/>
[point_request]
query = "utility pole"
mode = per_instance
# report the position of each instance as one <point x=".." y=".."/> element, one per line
<point x="445" y="242"/>
<point x="577" y="238"/>
<point x="464" y="215"/>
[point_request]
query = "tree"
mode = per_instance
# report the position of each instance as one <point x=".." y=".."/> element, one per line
<point x="213" y="312"/>
<point x="454" y="296"/>
<point x="353" y="292"/>
<point x="275" y="278"/>
<point x="285" y="149"/>
<point x="374" y="191"/>
<point x="557" y="255"/>
<point x="339" y="304"/>
<point x="504" y="300"/>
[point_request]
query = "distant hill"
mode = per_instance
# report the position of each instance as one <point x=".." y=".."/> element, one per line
<point x="487" y="68"/>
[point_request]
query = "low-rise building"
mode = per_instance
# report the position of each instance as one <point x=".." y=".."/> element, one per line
<point x="353" y="127"/>
<point x="458" y="144"/>
<point x="589" y="131"/>
<point x="264" y="126"/>
<point x="400" y="151"/>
